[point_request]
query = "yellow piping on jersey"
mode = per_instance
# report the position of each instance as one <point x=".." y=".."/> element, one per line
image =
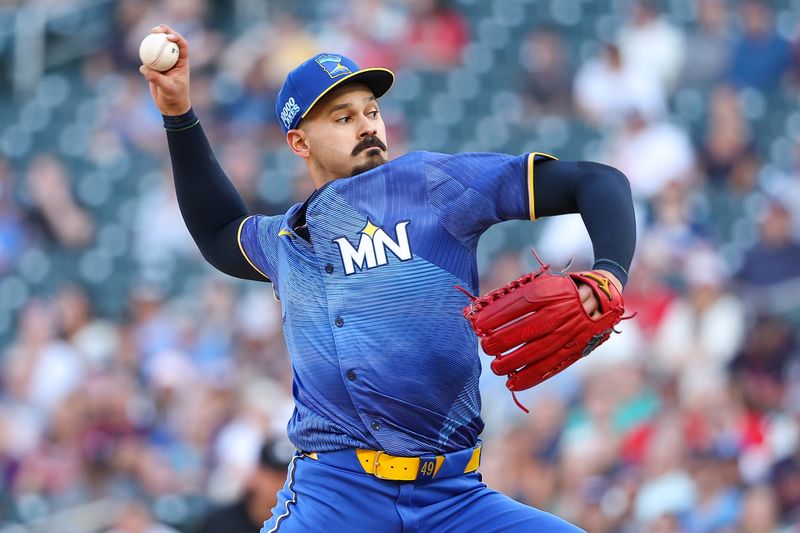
<point x="241" y="248"/>
<point x="284" y="231"/>
<point x="531" y="199"/>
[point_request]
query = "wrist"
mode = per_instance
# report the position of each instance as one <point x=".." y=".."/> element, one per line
<point x="180" y="122"/>
<point x="611" y="277"/>
<point x="607" y="266"/>
<point x="176" y="109"/>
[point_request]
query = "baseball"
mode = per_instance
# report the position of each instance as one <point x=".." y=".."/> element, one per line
<point x="157" y="52"/>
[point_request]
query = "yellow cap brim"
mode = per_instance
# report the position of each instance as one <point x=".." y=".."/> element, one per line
<point x="378" y="79"/>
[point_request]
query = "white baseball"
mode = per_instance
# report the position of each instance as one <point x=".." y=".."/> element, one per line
<point x="158" y="53"/>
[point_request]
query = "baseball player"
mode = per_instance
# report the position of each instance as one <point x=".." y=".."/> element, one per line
<point x="385" y="367"/>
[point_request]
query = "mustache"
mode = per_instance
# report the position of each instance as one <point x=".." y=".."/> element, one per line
<point x="368" y="142"/>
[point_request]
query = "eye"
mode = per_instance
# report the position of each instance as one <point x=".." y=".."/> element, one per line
<point x="343" y="120"/>
<point x="373" y="114"/>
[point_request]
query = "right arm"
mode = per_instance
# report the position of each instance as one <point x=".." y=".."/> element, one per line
<point x="211" y="208"/>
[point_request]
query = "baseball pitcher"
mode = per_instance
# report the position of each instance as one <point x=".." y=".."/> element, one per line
<point x="384" y="348"/>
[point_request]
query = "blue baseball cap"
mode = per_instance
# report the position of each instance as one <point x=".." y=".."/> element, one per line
<point x="305" y="85"/>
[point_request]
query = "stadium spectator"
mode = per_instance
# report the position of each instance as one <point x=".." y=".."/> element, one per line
<point x="667" y="488"/>
<point x="242" y="91"/>
<point x="606" y="90"/>
<point x="547" y="76"/>
<point x="52" y="210"/>
<point x="94" y="338"/>
<point x="160" y="235"/>
<point x="761" y="57"/>
<point x="718" y="502"/>
<point x="260" y="490"/>
<point x="759" y="511"/>
<point x="785" y="480"/>
<point x="41" y="369"/>
<point x="673" y="231"/>
<point x="709" y="46"/>
<point x="435" y="36"/>
<point x="703" y="330"/>
<point x="775" y="257"/>
<point x="651" y="46"/>
<point x="648" y="294"/>
<point x="727" y="137"/>
<point x="763" y="366"/>
<point x="652" y="152"/>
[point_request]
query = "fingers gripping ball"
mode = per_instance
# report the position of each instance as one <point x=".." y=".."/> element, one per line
<point x="158" y="53"/>
<point x="536" y="325"/>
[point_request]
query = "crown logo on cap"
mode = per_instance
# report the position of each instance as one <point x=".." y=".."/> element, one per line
<point x="332" y="65"/>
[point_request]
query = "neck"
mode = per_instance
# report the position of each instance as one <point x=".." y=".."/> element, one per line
<point x="319" y="175"/>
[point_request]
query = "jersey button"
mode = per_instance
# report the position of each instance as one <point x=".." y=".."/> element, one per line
<point x="339" y="322"/>
<point x="376" y="426"/>
<point x="329" y="268"/>
<point x="351" y="376"/>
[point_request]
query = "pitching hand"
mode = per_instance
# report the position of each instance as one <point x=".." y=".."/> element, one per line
<point x="170" y="89"/>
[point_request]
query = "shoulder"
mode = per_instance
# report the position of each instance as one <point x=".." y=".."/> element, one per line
<point x="264" y="221"/>
<point x="410" y="158"/>
<point x="442" y="158"/>
<point x="262" y="229"/>
<point x="436" y="159"/>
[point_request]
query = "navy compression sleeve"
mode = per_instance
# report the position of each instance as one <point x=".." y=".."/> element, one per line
<point x="602" y="196"/>
<point x="210" y="205"/>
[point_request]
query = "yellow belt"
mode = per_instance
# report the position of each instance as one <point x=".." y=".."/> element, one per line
<point x="391" y="467"/>
<point x="394" y="468"/>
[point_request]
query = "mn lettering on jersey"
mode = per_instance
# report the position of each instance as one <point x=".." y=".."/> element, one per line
<point x="372" y="246"/>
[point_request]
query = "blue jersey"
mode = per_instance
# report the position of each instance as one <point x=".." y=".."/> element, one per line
<point x="381" y="356"/>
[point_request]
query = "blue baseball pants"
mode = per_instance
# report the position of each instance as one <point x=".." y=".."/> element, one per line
<point x="333" y="494"/>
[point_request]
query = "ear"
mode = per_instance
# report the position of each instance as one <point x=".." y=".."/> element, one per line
<point x="296" y="139"/>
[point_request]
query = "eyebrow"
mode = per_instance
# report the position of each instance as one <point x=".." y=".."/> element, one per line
<point x="348" y="104"/>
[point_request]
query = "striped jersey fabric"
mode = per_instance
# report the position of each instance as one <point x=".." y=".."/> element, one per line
<point x="381" y="356"/>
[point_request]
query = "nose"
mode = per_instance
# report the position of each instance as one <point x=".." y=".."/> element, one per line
<point x="366" y="128"/>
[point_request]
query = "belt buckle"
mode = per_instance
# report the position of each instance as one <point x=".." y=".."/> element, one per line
<point x="375" y="463"/>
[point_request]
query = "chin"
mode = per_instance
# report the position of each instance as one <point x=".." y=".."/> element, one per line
<point x="373" y="162"/>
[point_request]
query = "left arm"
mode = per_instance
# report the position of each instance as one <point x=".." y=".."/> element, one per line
<point x="472" y="191"/>
<point x="602" y="196"/>
<point x="532" y="347"/>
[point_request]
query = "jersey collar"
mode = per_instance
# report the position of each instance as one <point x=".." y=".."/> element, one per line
<point x="297" y="220"/>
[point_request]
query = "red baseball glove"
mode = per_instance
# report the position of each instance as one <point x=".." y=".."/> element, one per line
<point x="536" y="326"/>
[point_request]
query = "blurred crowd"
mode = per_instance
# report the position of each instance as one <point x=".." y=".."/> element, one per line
<point x="137" y="386"/>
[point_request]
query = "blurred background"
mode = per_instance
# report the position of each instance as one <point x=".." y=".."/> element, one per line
<point x="137" y="385"/>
